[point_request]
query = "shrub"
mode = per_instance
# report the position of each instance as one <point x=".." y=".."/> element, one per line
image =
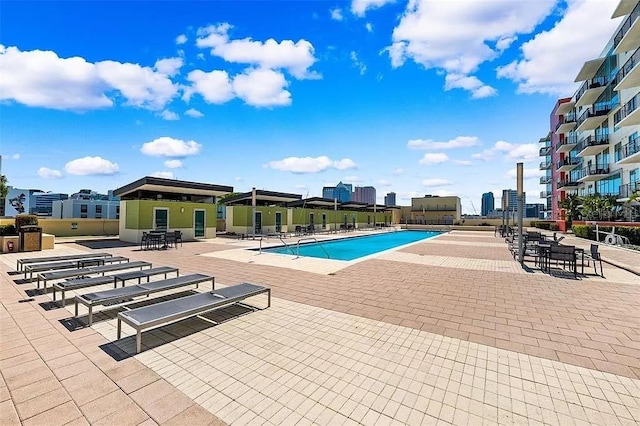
<point x="485" y="224"/>
<point x="8" y="230"/>
<point x="26" y="219"/>
<point x="542" y="225"/>
<point x="589" y="232"/>
<point x="554" y="227"/>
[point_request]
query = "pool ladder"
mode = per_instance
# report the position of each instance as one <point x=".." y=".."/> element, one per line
<point x="310" y="239"/>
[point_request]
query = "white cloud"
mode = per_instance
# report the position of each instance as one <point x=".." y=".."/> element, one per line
<point x="169" y="115"/>
<point x="398" y="171"/>
<point x="181" y="39"/>
<point x="455" y="36"/>
<point x="310" y="164"/>
<point x="436" y="182"/>
<point x="434" y="158"/>
<point x="262" y="88"/>
<point x="369" y="27"/>
<point x="462" y="162"/>
<point x="15" y="156"/>
<point x="239" y="179"/>
<point x="87" y="166"/>
<point x="336" y="14"/>
<point x="47" y="173"/>
<point x="470" y="83"/>
<point x="173" y="164"/>
<point x="141" y="86"/>
<point x="512" y="152"/>
<point x="532" y="173"/>
<point x="384" y="182"/>
<point x="193" y="113"/>
<point x="296" y="58"/>
<point x="357" y="63"/>
<point x="170" y="147"/>
<point x="169" y="66"/>
<point x="360" y="7"/>
<point x="552" y="59"/>
<point x="200" y="56"/>
<point x="42" y="79"/>
<point x="215" y="86"/>
<point x="504" y="42"/>
<point x="458" y="142"/>
<point x="165" y="175"/>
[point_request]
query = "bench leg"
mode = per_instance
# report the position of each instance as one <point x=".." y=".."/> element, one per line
<point x="138" y="341"/>
<point x="269" y="298"/>
<point x="90" y="315"/>
<point x="213" y="283"/>
<point x="76" y="308"/>
<point x="54" y="293"/>
<point x="119" y="328"/>
<point x="64" y="301"/>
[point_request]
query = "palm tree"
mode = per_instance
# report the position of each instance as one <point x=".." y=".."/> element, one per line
<point x="4" y="188"/>
<point x="571" y="204"/>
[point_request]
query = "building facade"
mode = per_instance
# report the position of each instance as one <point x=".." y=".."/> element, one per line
<point x="42" y="203"/>
<point x="594" y="145"/>
<point x="432" y="210"/>
<point x="85" y="209"/>
<point x="390" y="199"/>
<point x="342" y="192"/>
<point x="509" y="200"/>
<point x="488" y="203"/>
<point x="364" y="194"/>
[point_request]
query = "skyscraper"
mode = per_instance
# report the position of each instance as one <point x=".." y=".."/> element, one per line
<point x="342" y="192"/>
<point x="390" y="199"/>
<point x="488" y="203"/>
<point x="510" y="200"/>
<point x="364" y="194"/>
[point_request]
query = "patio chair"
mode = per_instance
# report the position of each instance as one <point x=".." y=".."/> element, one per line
<point x="564" y="254"/>
<point x="177" y="238"/>
<point x="144" y="240"/>
<point x="594" y="255"/>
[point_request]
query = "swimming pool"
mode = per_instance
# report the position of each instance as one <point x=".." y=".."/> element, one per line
<point x="355" y="247"/>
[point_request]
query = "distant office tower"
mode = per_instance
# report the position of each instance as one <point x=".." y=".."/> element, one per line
<point x="510" y="200"/>
<point x="342" y="192"/>
<point x="42" y="204"/>
<point x="534" y="211"/>
<point x="390" y="199"/>
<point x="488" y="203"/>
<point x="364" y="194"/>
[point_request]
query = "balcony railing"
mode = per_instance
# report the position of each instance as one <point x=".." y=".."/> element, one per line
<point x="545" y="180"/>
<point x="566" y="119"/>
<point x="561" y="183"/>
<point x="628" y="189"/>
<point x="567" y="162"/>
<point x="627" y="109"/>
<point x="626" y="26"/>
<point x="545" y="165"/>
<point x="592" y="140"/>
<point x="594" y="170"/>
<point x="545" y="194"/>
<point x="597" y="110"/>
<point x="627" y="67"/>
<point x="591" y="84"/>
<point x="633" y="147"/>
<point x="545" y="151"/>
<point x="572" y="139"/>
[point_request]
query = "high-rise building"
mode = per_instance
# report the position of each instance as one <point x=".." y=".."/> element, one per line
<point x="593" y="146"/>
<point x="488" y="203"/>
<point x="390" y="199"/>
<point x="42" y="203"/>
<point x="364" y="194"/>
<point x="510" y="199"/>
<point x="342" y="192"/>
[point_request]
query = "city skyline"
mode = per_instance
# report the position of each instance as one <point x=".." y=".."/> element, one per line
<point x="344" y="92"/>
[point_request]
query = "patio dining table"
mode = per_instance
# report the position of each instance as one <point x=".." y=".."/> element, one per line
<point x="545" y="252"/>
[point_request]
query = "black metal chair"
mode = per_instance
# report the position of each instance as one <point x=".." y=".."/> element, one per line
<point x="594" y="255"/>
<point x="144" y="241"/>
<point x="177" y="238"/>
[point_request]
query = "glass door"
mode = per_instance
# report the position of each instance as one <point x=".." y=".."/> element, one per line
<point x="278" y="221"/>
<point x="258" y="223"/>
<point x="198" y="223"/>
<point x="161" y="219"/>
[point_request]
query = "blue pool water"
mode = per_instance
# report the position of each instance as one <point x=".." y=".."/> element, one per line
<point x="355" y="247"/>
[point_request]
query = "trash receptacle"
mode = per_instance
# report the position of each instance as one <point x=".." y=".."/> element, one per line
<point x="30" y="238"/>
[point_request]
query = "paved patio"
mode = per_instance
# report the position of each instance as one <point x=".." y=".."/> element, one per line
<point x="450" y="330"/>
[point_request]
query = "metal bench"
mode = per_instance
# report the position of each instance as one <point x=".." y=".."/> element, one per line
<point x="76" y="284"/>
<point x="124" y="293"/>
<point x="144" y="273"/>
<point x="69" y="273"/>
<point x="186" y="307"/>
<point x="70" y="264"/>
<point x="21" y="262"/>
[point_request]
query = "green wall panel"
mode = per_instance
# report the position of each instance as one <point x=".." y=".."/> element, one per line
<point x="132" y="219"/>
<point x="140" y="214"/>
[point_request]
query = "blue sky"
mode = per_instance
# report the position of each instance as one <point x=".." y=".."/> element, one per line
<point x="417" y="97"/>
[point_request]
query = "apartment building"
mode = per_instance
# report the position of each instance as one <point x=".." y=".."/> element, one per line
<point x="593" y="145"/>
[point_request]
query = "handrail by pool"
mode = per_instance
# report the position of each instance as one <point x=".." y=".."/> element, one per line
<point x="310" y="239"/>
<point x="286" y="245"/>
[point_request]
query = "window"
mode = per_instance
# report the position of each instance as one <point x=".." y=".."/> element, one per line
<point x="117" y="212"/>
<point x="98" y="212"/>
<point x="83" y="211"/>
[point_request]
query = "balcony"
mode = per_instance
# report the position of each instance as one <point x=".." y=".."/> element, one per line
<point x="545" y="151"/>
<point x="629" y="74"/>
<point x="625" y="7"/>
<point x="567" y="164"/>
<point x="629" y="153"/>
<point x="590" y="91"/>
<point x="628" y="189"/>
<point x="546" y="194"/>
<point x="567" y="144"/>
<point x="565" y="108"/>
<point x="545" y="165"/>
<point x="629" y="114"/>
<point x="567" y="183"/>
<point x="593" y="117"/>
<point x="592" y="145"/>
<point x="566" y="123"/>
<point x="545" y="180"/>
<point x="589" y="69"/>
<point x="593" y="173"/>
<point x="628" y="37"/>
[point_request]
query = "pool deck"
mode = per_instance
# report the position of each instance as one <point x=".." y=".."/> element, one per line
<point x="450" y="330"/>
